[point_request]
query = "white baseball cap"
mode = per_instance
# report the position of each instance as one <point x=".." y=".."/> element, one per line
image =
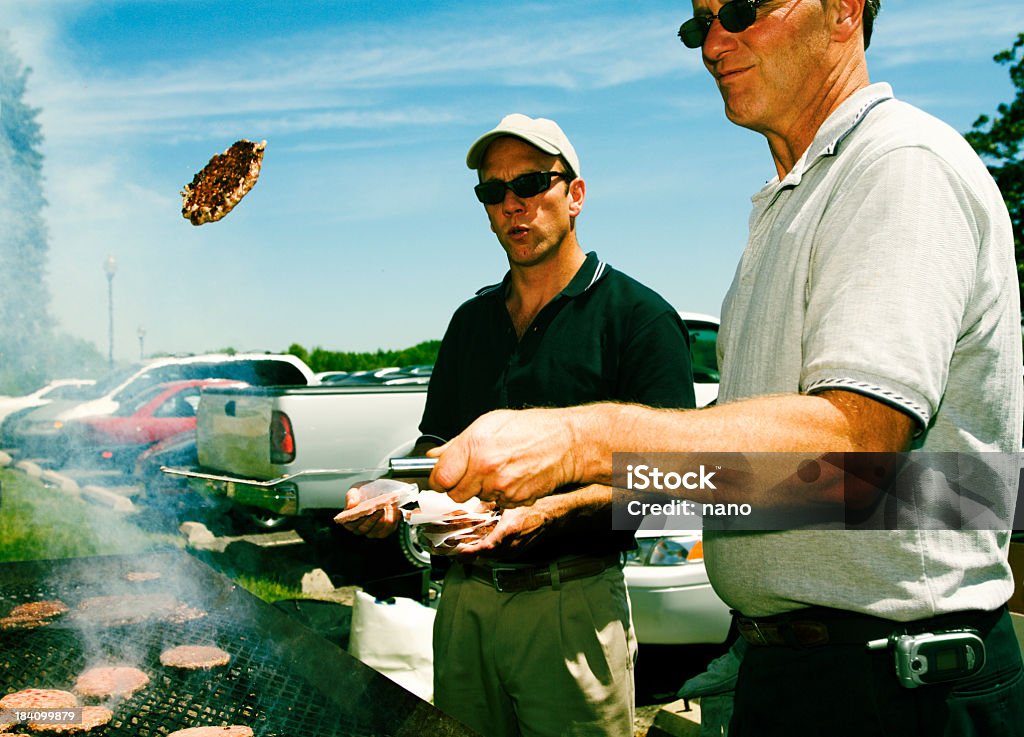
<point x="540" y="132"/>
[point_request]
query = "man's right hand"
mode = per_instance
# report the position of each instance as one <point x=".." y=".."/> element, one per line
<point x="377" y="524"/>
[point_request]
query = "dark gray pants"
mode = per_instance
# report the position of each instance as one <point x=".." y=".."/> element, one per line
<point x="838" y="690"/>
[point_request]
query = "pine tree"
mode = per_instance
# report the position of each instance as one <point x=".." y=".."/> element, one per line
<point x="25" y="324"/>
<point x="1000" y="141"/>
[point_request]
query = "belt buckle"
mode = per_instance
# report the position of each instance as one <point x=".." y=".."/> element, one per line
<point x="751" y="631"/>
<point x="494" y="577"/>
<point x="759" y="635"/>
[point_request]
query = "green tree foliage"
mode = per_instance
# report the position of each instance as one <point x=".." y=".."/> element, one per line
<point x="25" y="323"/>
<point x="30" y="351"/>
<point x="322" y="360"/>
<point x="999" y="140"/>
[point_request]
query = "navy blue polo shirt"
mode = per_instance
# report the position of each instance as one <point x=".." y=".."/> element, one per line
<point x="605" y="337"/>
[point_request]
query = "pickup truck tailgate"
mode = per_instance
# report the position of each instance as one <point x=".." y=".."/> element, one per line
<point x="333" y="427"/>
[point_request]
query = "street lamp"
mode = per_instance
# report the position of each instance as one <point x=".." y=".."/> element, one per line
<point x="142" y="337"/>
<point x="110" y="268"/>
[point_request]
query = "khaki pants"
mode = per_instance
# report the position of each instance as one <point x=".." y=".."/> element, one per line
<point x="541" y="663"/>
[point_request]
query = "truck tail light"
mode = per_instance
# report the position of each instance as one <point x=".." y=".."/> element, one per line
<point x="282" y="440"/>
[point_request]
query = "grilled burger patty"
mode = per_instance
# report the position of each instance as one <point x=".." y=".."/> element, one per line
<point x="47" y="608"/>
<point x="39" y="698"/>
<point x="33" y="614"/>
<point x="229" y="731"/>
<point x="92" y="717"/>
<point x="107" y="681"/>
<point x="223" y="182"/>
<point x="194" y="657"/>
<point x="140" y="576"/>
<point x="114" y="611"/>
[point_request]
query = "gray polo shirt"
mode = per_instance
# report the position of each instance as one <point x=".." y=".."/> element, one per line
<point x="882" y="264"/>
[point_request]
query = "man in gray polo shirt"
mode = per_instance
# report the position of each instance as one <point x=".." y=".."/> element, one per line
<point x="874" y="309"/>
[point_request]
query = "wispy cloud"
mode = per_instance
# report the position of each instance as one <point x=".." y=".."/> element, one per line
<point x="906" y="36"/>
<point x="339" y="79"/>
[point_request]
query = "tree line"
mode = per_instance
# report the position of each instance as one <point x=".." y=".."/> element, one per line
<point x="318" y="359"/>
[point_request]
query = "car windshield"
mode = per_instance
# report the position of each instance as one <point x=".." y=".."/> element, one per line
<point x="114" y="379"/>
<point x="703" y="356"/>
<point x="72" y="391"/>
<point x="137" y="401"/>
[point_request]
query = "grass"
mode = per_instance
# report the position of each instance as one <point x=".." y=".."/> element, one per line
<point x="38" y="522"/>
<point x="41" y="523"/>
<point x="267" y="589"/>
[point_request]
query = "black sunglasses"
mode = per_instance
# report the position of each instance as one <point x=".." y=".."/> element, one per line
<point x="526" y="185"/>
<point x="735" y="16"/>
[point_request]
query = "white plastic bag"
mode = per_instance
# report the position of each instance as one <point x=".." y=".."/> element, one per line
<point x="395" y="639"/>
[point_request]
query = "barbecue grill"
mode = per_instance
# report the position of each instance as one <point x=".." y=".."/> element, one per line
<point x="283" y="679"/>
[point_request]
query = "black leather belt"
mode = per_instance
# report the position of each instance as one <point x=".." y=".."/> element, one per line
<point x="816" y="626"/>
<point x="529" y="578"/>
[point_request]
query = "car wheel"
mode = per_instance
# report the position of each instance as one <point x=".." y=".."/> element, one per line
<point x="411" y="549"/>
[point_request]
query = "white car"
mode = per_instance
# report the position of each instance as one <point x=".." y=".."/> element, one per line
<point x="55" y="390"/>
<point x="673" y="602"/>
<point x="703" y="331"/>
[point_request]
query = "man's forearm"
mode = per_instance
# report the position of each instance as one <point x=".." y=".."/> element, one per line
<point x="834" y="423"/>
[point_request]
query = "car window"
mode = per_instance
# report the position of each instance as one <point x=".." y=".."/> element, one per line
<point x="182" y="404"/>
<point x="703" y="355"/>
<point x="71" y="391"/>
<point x="137" y="401"/>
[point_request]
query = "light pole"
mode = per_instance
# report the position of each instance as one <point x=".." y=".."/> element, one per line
<point x="142" y="337"/>
<point x="110" y="268"/>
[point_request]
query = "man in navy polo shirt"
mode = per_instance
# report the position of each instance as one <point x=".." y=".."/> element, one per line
<point x="533" y="633"/>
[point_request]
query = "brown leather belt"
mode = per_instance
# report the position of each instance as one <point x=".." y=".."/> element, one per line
<point x="816" y="626"/>
<point x="530" y="578"/>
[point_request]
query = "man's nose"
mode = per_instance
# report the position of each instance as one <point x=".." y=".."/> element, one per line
<point x="717" y="41"/>
<point x="512" y="201"/>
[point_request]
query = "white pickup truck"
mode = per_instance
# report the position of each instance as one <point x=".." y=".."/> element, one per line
<point x="293" y="451"/>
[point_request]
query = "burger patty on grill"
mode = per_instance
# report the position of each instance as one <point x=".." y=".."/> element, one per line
<point x="107" y="681"/>
<point x="139" y="576"/>
<point x="229" y="731"/>
<point x="92" y="717"/>
<point x="194" y="657"/>
<point x="113" y="611"/>
<point x="38" y="698"/>
<point x="33" y="614"/>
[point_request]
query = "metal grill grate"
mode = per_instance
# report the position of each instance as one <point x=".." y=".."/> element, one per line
<point x="282" y="681"/>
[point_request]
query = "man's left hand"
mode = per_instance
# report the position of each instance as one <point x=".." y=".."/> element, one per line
<point x="516" y="530"/>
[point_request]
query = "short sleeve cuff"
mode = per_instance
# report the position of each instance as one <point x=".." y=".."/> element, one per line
<point x="883" y="389"/>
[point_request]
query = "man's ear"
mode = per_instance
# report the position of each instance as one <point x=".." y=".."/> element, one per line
<point x="577" y="193"/>
<point x="848" y="20"/>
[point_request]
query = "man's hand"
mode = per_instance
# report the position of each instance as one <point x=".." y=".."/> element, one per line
<point x="381" y="523"/>
<point x="509" y="457"/>
<point x="517" y="530"/>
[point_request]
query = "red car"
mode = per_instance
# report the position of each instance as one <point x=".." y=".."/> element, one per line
<point x="115" y="441"/>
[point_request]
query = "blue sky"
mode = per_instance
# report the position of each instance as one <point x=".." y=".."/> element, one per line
<point x="363" y="231"/>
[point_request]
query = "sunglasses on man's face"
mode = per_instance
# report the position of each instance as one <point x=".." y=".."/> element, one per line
<point x="735" y="16"/>
<point x="527" y="185"/>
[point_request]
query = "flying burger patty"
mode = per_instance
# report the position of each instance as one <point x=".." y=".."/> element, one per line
<point x="106" y="681"/>
<point x="194" y="657"/>
<point x="223" y="182"/>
